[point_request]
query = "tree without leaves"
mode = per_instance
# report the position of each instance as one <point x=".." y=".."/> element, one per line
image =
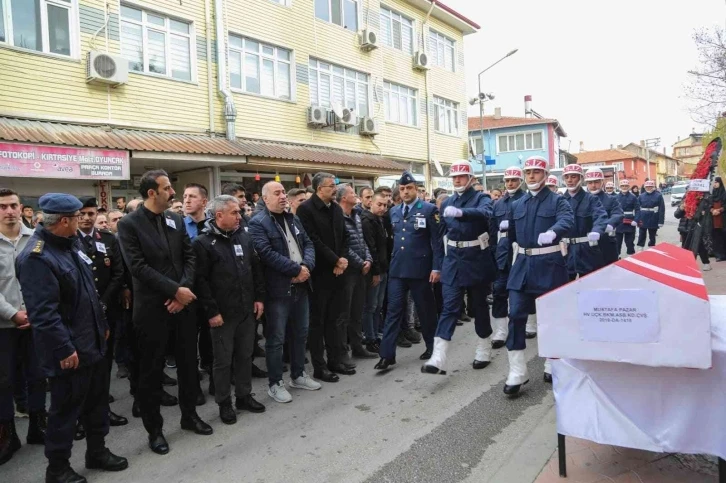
<point x="707" y="86"/>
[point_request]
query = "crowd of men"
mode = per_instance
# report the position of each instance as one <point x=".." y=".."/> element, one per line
<point x="185" y="283"/>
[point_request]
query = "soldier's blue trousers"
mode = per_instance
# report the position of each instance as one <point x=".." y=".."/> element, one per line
<point x="500" y="295"/>
<point x="521" y="304"/>
<point x="423" y="299"/>
<point x="453" y="297"/>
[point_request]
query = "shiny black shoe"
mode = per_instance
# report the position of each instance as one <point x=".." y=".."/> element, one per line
<point x="158" y="444"/>
<point x="195" y="423"/>
<point x="63" y="475"/>
<point x="167" y="380"/>
<point x="9" y="442"/>
<point x="248" y="403"/>
<point x="412" y="336"/>
<point x="479" y="364"/>
<point x="106" y="461"/>
<point x="513" y="389"/>
<point x="459" y="323"/>
<point x="374" y="347"/>
<point x="401" y="341"/>
<point x="426" y="355"/>
<point x="547" y="378"/>
<point x="258" y="373"/>
<point x="116" y="420"/>
<point x="498" y="344"/>
<point x="325" y="376"/>
<point x="465" y="318"/>
<point x="136" y="409"/>
<point x="384" y="364"/>
<point x="80" y="432"/>
<point x="341" y="369"/>
<point x="36" y="428"/>
<point x="201" y="400"/>
<point x="226" y="412"/>
<point x="349" y="364"/>
<point x="167" y="399"/>
<point x="428" y="369"/>
<point x="530" y="335"/>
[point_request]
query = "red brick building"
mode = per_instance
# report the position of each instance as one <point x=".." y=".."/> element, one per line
<point x="627" y="165"/>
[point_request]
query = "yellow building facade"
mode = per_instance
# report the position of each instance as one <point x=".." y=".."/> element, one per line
<point x="218" y="91"/>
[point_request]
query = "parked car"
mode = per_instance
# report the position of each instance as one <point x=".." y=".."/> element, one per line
<point x="677" y="194"/>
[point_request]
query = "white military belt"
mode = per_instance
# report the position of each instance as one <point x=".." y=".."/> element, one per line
<point x="538" y="251"/>
<point x="572" y="241"/>
<point x="503" y="234"/>
<point x="463" y="244"/>
<point x="629" y="213"/>
<point x="654" y="210"/>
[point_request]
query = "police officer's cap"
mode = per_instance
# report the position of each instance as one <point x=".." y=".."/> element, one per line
<point x="406" y="178"/>
<point x="59" y="203"/>
<point x="88" y="201"/>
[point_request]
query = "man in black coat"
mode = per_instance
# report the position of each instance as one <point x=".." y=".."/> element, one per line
<point x="160" y="257"/>
<point x="324" y="223"/>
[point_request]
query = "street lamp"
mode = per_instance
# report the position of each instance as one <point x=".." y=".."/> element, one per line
<point x="481" y="97"/>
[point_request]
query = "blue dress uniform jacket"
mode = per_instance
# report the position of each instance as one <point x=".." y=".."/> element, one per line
<point x="531" y="215"/>
<point x="631" y="211"/>
<point x="467" y="266"/>
<point x="417" y="245"/>
<point x="62" y="301"/>
<point x="502" y="208"/>
<point x="614" y="218"/>
<point x="648" y="218"/>
<point x="590" y="216"/>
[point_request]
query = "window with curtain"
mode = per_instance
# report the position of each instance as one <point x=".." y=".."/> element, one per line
<point x="441" y="50"/>
<point x="524" y="141"/>
<point x="259" y="68"/>
<point x="396" y="31"/>
<point x="330" y="83"/>
<point x="401" y="104"/>
<point x="446" y="116"/>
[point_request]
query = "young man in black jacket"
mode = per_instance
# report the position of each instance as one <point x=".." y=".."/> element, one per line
<point x="376" y="238"/>
<point x="230" y="290"/>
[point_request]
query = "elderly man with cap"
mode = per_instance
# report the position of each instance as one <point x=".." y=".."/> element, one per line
<point x="652" y="214"/>
<point x="498" y="228"/>
<point x="70" y="331"/>
<point x="468" y="264"/>
<point x="594" y="179"/>
<point x="415" y="265"/>
<point x="553" y="184"/>
<point x="538" y="221"/>
<point x="631" y="210"/>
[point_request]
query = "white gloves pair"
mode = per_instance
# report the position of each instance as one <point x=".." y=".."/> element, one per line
<point x="453" y="212"/>
<point x="609" y="229"/>
<point x="546" y="238"/>
<point x="593" y="236"/>
<point x="633" y="223"/>
<point x="660" y="226"/>
<point x="504" y="225"/>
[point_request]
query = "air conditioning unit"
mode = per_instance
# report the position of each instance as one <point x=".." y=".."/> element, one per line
<point x="421" y="61"/>
<point x="345" y="116"/>
<point x="317" y="116"/>
<point x="368" y="40"/>
<point x="368" y="126"/>
<point x="105" y="68"/>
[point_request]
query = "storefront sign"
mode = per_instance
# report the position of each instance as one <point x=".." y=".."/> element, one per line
<point x="619" y="315"/>
<point x="103" y="191"/>
<point x="41" y="161"/>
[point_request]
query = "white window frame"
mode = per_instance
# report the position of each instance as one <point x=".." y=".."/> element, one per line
<point x="284" y="3"/>
<point x="394" y="16"/>
<point x="527" y="134"/>
<point x="342" y="14"/>
<point x="73" y="28"/>
<point x="168" y="32"/>
<point x="261" y="55"/>
<point x="619" y="166"/>
<point x="315" y="69"/>
<point x="439" y="38"/>
<point x="452" y="112"/>
<point x="410" y="94"/>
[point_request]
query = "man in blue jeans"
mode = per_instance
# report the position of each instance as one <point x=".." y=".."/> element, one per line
<point x="376" y="238"/>
<point x="288" y="257"/>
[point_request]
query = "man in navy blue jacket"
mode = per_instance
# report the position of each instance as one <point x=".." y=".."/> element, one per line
<point x="288" y="257"/>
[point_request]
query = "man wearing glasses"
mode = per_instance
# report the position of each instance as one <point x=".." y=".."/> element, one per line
<point x="70" y="332"/>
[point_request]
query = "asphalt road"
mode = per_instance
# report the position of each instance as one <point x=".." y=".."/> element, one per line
<point x="403" y="426"/>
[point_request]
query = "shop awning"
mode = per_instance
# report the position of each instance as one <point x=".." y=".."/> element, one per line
<point x="45" y="132"/>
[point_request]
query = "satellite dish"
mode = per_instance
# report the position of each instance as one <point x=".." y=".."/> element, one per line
<point x="438" y="167"/>
<point x="338" y="110"/>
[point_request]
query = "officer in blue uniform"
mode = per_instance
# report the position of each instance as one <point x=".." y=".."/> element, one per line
<point x="583" y="252"/>
<point x="631" y="211"/>
<point x="70" y="332"/>
<point x="652" y="214"/>
<point x="538" y="221"/>
<point x="610" y="189"/>
<point x="415" y="265"/>
<point x="468" y="267"/>
<point x="498" y="229"/>
<point x="594" y="179"/>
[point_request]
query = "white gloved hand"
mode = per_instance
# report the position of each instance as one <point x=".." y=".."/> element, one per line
<point x="546" y="238"/>
<point x="504" y="225"/>
<point x="660" y="226"/>
<point x="593" y="236"/>
<point x="453" y="212"/>
<point x="609" y="229"/>
<point x="633" y="223"/>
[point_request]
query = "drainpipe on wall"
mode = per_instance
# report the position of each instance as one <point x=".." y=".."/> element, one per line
<point x="210" y="81"/>
<point x="230" y="112"/>
<point x="428" y="110"/>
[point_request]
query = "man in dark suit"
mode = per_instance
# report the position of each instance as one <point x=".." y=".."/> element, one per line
<point x="324" y="223"/>
<point x="159" y="255"/>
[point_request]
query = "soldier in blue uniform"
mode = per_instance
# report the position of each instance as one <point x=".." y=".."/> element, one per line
<point x="537" y="222"/>
<point x="498" y="228"/>
<point x="583" y="251"/>
<point x="631" y="211"/>
<point x="553" y="184"/>
<point x="594" y="179"/>
<point x="415" y="265"/>
<point x="652" y="214"/>
<point x="610" y="189"/>
<point x="70" y="332"/>
<point x="468" y="267"/>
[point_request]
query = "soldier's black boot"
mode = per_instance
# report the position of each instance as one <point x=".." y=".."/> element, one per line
<point x="36" y="428"/>
<point x="9" y="442"/>
<point x="61" y="472"/>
